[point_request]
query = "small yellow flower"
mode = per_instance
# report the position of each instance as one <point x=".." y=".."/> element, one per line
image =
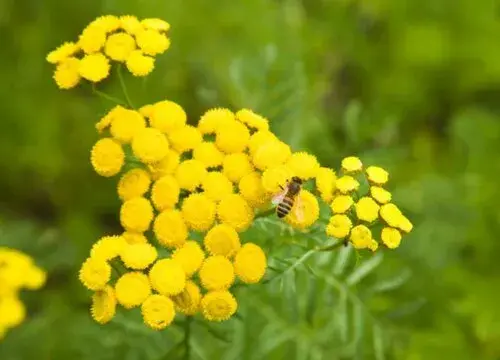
<point x="167" y="277"/>
<point x="339" y="226"/>
<point x="250" y="263"/>
<point x="259" y="139"/>
<point x="125" y="124"/>
<point x="190" y="256"/>
<point x="139" y="64"/>
<point x="146" y="110"/>
<point x="107" y="247"/>
<point x="216" y="186"/>
<point x="222" y="240"/>
<point x="92" y="39"/>
<point x="190" y="174"/>
<point x="347" y="184"/>
<point x="63" y="52"/>
<point x="377" y="175"/>
<point x="271" y="154"/>
<point x="188" y="301"/>
<point x="12" y="312"/>
<point x="405" y="224"/>
<point x="158" y="311"/>
<point x="108" y="23"/>
<point x="309" y="211"/>
<point x="326" y="183"/>
<point x="252" y="120"/>
<point x="155" y="24"/>
<point x="170" y="228"/>
<point x="138" y="256"/>
<point x="152" y="42"/>
<point x="251" y="189"/>
<point x="67" y="74"/>
<point x="165" y="166"/>
<point x="391" y="214"/>
<point x="367" y="209"/>
<point x="165" y="193"/>
<point x="167" y="116"/>
<point x="303" y="165"/>
<point x="208" y="154"/>
<point x="391" y="237"/>
<point x="373" y="246"/>
<point x="107" y="157"/>
<point x="150" y="145"/>
<point x="133" y="183"/>
<point x="136" y="214"/>
<point x="130" y="24"/>
<point x="218" y="305"/>
<point x="232" y="137"/>
<point x="381" y="195"/>
<point x="276" y="178"/>
<point x="361" y="237"/>
<point x="215" y="118"/>
<point x="103" y="306"/>
<point x="132" y="289"/>
<point x="134" y="237"/>
<point x="216" y="273"/>
<point x="94" y="67"/>
<point x="198" y="212"/>
<point x="95" y="273"/>
<point x="341" y="204"/>
<point x="352" y="164"/>
<point x="233" y="210"/>
<point x="185" y="138"/>
<point x="105" y="121"/>
<point x="119" y="46"/>
<point x="236" y="165"/>
<point x="35" y="278"/>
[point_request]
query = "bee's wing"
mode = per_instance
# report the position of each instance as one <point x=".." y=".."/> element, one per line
<point x="299" y="209"/>
<point x="277" y="198"/>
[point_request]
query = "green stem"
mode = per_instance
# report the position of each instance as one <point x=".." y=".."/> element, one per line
<point x="330" y="247"/>
<point x="124" y="87"/>
<point x="265" y="213"/>
<point x="187" y="337"/>
<point x="106" y="96"/>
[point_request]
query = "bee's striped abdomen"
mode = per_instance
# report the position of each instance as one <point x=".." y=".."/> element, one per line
<point x="284" y="207"/>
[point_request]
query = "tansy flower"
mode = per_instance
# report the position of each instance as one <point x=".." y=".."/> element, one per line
<point x="138" y="256"/>
<point x="108" y="23"/>
<point x="216" y="186"/>
<point x="134" y="237"/>
<point x="167" y="116"/>
<point x="213" y="119"/>
<point x="341" y="204"/>
<point x="339" y="226"/>
<point x="233" y="210"/>
<point x="250" y="263"/>
<point x="391" y="237"/>
<point x="391" y="214"/>
<point x="136" y="214"/>
<point x="188" y="301"/>
<point x="251" y="189"/>
<point x="139" y="64"/>
<point x="235" y="166"/>
<point x="35" y="277"/>
<point x="107" y="157"/>
<point x="377" y="175"/>
<point x="185" y="138"/>
<point x="12" y="312"/>
<point x="132" y="289"/>
<point x="146" y="110"/>
<point x="198" y="212"/>
<point x="170" y="228"/>
<point x="208" y="154"/>
<point x="325" y="183"/>
<point x="303" y="165"/>
<point x="130" y="24"/>
<point x="167" y="277"/>
<point x="94" y="67"/>
<point x="67" y="74"/>
<point x="216" y="273"/>
<point x="95" y="273"/>
<point x="155" y="24"/>
<point x="271" y="154"/>
<point x="165" y="166"/>
<point x="190" y="256"/>
<point x="405" y="224"/>
<point x="190" y="174"/>
<point x="63" y="52"/>
<point x="373" y="246"/>
<point x="218" y="305"/>
<point x="381" y="195"/>
<point x="222" y="240"/>
<point x="150" y="145"/>
<point x="361" y="237"/>
<point x="105" y="121"/>
<point x="165" y="193"/>
<point x="103" y="306"/>
<point x="152" y="42"/>
<point x="92" y="39"/>
<point x="125" y="124"/>
<point x="367" y="209"/>
<point x="259" y="139"/>
<point x="275" y="179"/>
<point x="252" y="120"/>
<point x="134" y="183"/>
<point x="107" y="247"/>
<point x="119" y="46"/>
<point x="232" y="137"/>
<point x="351" y="164"/>
<point x="305" y="211"/>
<point x="347" y="184"/>
<point x="158" y="311"/>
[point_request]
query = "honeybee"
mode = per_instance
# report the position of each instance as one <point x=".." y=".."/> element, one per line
<point x="289" y="196"/>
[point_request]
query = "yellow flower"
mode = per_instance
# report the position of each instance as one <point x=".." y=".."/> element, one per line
<point x="325" y="183"/>
<point x="188" y="301"/>
<point x="235" y="166"/>
<point x="251" y="189"/>
<point x="347" y="184"/>
<point x="215" y="118"/>
<point x="361" y="237"/>
<point x="341" y="204"/>
<point x="252" y="120"/>
<point x="103" y="306"/>
<point x="198" y="212"/>
<point x="35" y="278"/>
<point x="274" y="179"/>
<point x="107" y="247"/>
<point x="165" y="166"/>
<point x="132" y="289"/>
<point x="155" y="24"/>
<point x="303" y="165"/>
<point x="136" y="214"/>
<point x="190" y="256"/>
<point x="165" y="193"/>
<point x="190" y="174"/>
<point x="170" y="228"/>
<point x="259" y="139"/>
<point x="139" y="64"/>
<point x="138" y="256"/>
<point x="250" y="263"/>
<point x="373" y="246"/>
<point x="125" y="124"/>
<point x="119" y="46"/>
<point x="271" y="154"/>
<point x="405" y="224"/>
<point x="152" y="42"/>
<point x="185" y="138"/>
<point x="233" y="210"/>
<point x="381" y="195"/>
<point x="12" y="312"/>
<point x="216" y="186"/>
<point x="130" y="24"/>
<point x="133" y="183"/>
<point x="216" y="273"/>
<point x="107" y="157"/>
<point x="63" y="52"/>
<point x="232" y="137"/>
<point x="352" y="164"/>
<point x="95" y="273"/>
<point x="208" y="154"/>
<point x="339" y="226"/>
<point x="134" y="237"/>
<point x="67" y="74"/>
<point x="309" y="211"/>
<point x="105" y="121"/>
<point x="377" y="175"/>
<point x="92" y="39"/>
<point x="150" y="145"/>
<point x="218" y="305"/>
<point x="391" y="214"/>
<point x="367" y="209"/>
<point x="222" y="240"/>
<point x="158" y="311"/>
<point x="146" y="110"/>
<point x="167" y="116"/>
<point x="94" y="67"/>
<point x="391" y="237"/>
<point x="167" y="277"/>
<point x="108" y="23"/>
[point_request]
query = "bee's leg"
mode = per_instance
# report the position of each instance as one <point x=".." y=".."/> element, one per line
<point x="281" y="187"/>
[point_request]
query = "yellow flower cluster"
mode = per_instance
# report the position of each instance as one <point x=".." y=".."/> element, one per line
<point x="358" y="214"/>
<point x="17" y="272"/>
<point x="125" y="40"/>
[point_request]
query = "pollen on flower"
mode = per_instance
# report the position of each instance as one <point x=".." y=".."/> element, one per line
<point x="188" y="301"/>
<point x="352" y="164"/>
<point x="259" y="139"/>
<point x="250" y="263"/>
<point x="347" y="184"/>
<point x="367" y="209"/>
<point x="208" y="154"/>
<point x="155" y="24"/>
<point x="222" y="240"/>
<point x="308" y="207"/>
<point x="103" y="306"/>
<point x="107" y="157"/>
<point x="107" y="247"/>
<point x="232" y="137"/>
<point x="233" y="210"/>
<point x="190" y="174"/>
<point x="165" y="193"/>
<point x="271" y="154"/>
<point x="216" y="273"/>
<point x="150" y="145"/>
<point x="218" y="305"/>
<point x="275" y="179"/>
<point x="212" y="119"/>
<point x="165" y="166"/>
<point x="66" y="74"/>
<point x="252" y="120"/>
<point x="236" y="165"/>
<point x="94" y="67"/>
<point x="119" y="46"/>
<point x="341" y="204"/>
<point x="303" y="165"/>
<point x="377" y="175"/>
<point x="136" y="214"/>
<point x="339" y="226"/>
<point x="92" y="39"/>
<point x="63" y="52"/>
<point x="251" y="189"/>
<point x="158" y="311"/>
<point x="391" y="237"/>
<point x="139" y="64"/>
<point x="361" y="237"/>
<point x="138" y="256"/>
<point x="152" y="42"/>
<point x="95" y="273"/>
<point x="125" y="124"/>
<point x="134" y="183"/>
<point x="325" y="183"/>
<point x="190" y="256"/>
<point x="167" y="277"/>
<point x="381" y="195"/>
<point x="198" y="211"/>
<point x="170" y="229"/>
<point x="132" y="289"/>
<point x="167" y="116"/>
<point x="185" y="138"/>
<point x="216" y="186"/>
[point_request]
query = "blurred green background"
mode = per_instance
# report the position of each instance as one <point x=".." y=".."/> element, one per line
<point x="411" y="85"/>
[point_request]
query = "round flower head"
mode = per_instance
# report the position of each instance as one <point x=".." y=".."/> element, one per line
<point x="305" y="211"/>
<point x="67" y="74"/>
<point x="108" y="23"/>
<point x="198" y="212"/>
<point x="373" y="246"/>
<point x="35" y="278"/>
<point x="150" y="145"/>
<point x="190" y="174"/>
<point x="233" y="210"/>
<point x="252" y="120"/>
<point x="132" y="289"/>
<point x="155" y="24"/>
<point x="259" y="139"/>
<point x="208" y="154"/>
<point x="185" y="138"/>
<point x="216" y="273"/>
<point x="170" y="228"/>
<point x="347" y="184"/>
<point x="136" y="214"/>
<point x="190" y="256"/>
<point x="158" y="311"/>
<point x="66" y="50"/>
<point x="92" y="39"/>
<point x="250" y="263"/>
<point x="103" y="306"/>
<point x="95" y="273"/>
<point x="222" y="240"/>
<point x="130" y="24"/>
<point x="119" y="46"/>
<point x="94" y="67"/>
<point x="146" y="110"/>
<point x="107" y="157"/>
<point x="405" y="224"/>
<point x="339" y="226"/>
<point x="391" y="237"/>
<point x="167" y="116"/>
<point x="325" y="183"/>
<point x="303" y="165"/>
<point x="152" y="42"/>
<point x="216" y="186"/>
<point x="105" y="121"/>
<point x="165" y="193"/>
<point x="165" y="166"/>
<point x="108" y="247"/>
<point x="275" y="179"/>
<point x="341" y="204"/>
<point x="232" y="137"/>
<point x="367" y="209"/>
<point x="138" y="256"/>
<point x="12" y="312"/>
<point x="377" y="175"/>
<point x="251" y="189"/>
<point x="271" y="154"/>
<point x="213" y="119"/>
<point x="218" y="305"/>
<point x="133" y="183"/>
<point x="352" y="164"/>
<point x="361" y="237"/>
<point x="188" y="301"/>
<point x="167" y="277"/>
<point x="237" y="165"/>
<point x="381" y="195"/>
<point x="139" y="64"/>
<point x="134" y="237"/>
<point x="125" y="124"/>
<point x="391" y="214"/>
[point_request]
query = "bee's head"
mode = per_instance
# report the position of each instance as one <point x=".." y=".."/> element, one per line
<point x="296" y="179"/>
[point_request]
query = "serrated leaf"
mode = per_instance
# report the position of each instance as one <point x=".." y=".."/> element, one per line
<point x="364" y="269"/>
